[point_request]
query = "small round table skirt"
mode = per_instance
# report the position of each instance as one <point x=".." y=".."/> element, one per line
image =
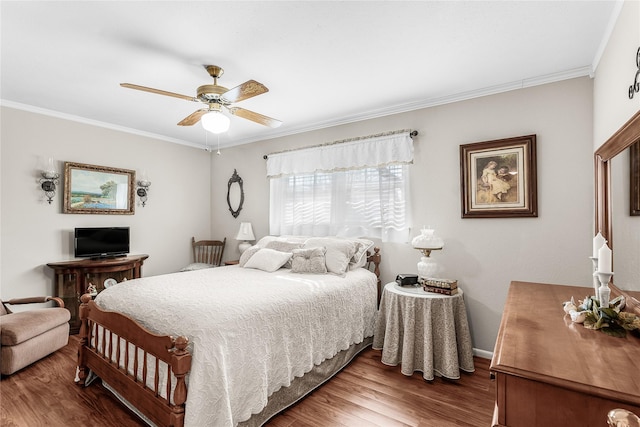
<point x="423" y="331"/>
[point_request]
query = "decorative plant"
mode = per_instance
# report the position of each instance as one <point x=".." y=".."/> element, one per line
<point x="610" y="320"/>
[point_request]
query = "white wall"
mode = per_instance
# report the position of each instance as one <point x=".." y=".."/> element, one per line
<point x="615" y="73"/>
<point x="483" y="254"/>
<point x="613" y="108"/>
<point x="34" y="233"/>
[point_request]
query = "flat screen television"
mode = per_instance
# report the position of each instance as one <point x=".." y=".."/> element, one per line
<point x="101" y="242"/>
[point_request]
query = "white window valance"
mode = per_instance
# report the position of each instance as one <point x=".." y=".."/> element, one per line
<point x="373" y="152"/>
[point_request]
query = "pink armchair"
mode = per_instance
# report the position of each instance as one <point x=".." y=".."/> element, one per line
<point x="28" y="336"/>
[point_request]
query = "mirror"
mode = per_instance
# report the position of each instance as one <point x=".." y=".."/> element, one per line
<point x="626" y="226"/>
<point x="235" y="194"/>
<point x="634" y="182"/>
<point x="608" y="155"/>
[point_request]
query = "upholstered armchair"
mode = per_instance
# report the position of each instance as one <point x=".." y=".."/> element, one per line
<point x="27" y="336"/>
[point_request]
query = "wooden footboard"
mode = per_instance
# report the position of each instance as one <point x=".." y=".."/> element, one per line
<point x="145" y="369"/>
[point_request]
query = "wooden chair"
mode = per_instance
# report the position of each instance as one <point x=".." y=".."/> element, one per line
<point x="206" y="254"/>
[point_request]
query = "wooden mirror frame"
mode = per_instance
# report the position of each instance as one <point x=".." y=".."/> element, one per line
<point x="619" y="141"/>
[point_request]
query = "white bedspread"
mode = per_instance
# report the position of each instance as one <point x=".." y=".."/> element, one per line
<point x="251" y="332"/>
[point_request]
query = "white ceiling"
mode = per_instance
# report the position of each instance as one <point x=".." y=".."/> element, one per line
<point x="325" y="63"/>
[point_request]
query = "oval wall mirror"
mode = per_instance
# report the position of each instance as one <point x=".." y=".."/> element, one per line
<point x="235" y="194"/>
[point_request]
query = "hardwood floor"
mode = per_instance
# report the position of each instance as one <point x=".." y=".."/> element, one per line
<point x="365" y="393"/>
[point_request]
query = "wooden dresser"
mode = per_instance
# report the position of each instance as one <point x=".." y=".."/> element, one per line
<point x="552" y="372"/>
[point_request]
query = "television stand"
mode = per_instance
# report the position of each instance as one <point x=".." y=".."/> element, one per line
<point x="73" y="277"/>
<point x="106" y="257"/>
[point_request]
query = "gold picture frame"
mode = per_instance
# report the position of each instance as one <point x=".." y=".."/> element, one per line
<point x="498" y="178"/>
<point x="91" y="189"/>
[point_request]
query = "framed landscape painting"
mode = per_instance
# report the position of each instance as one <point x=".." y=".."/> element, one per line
<point x="498" y="178"/>
<point x="90" y="189"/>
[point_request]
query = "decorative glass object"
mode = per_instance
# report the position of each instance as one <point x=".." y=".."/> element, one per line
<point x="426" y="242"/>
<point x="427" y="267"/>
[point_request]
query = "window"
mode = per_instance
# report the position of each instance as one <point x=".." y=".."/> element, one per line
<point x="356" y="202"/>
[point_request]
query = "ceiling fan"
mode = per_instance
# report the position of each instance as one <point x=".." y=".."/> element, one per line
<point x="218" y="98"/>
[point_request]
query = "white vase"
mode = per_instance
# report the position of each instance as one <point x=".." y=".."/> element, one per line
<point x="427" y="267"/>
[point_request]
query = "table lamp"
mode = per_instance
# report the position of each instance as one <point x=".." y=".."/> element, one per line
<point x="426" y="242"/>
<point x="245" y="233"/>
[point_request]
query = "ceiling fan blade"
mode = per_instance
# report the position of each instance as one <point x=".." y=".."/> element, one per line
<point x="255" y="117"/>
<point x="158" y="91"/>
<point x="193" y="118"/>
<point x="246" y="90"/>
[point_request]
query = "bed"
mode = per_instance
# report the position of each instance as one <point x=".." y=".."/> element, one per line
<point x="233" y="345"/>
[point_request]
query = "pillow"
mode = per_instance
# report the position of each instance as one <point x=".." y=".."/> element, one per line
<point x="197" y="266"/>
<point x="359" y="259"/>
<point x="266" y="259"/>
<point x="294" y="239"/>
<point x="309" y="261"/>
<point x="263" y="242"/>
<point x="284" y="246"/>
<point x="248" y="254"/>
<point x="338" y="255"/>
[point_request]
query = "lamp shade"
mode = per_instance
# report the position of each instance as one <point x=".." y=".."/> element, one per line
<point x="245" y="232"/>
<point x="215" y="122"/>
<point x="427" y="240"/>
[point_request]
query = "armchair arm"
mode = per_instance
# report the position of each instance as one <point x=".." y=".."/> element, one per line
<point x="30" y="300"/>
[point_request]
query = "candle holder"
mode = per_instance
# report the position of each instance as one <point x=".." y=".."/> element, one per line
<point x="604" y="292"/>
<point x="596" y="281"/>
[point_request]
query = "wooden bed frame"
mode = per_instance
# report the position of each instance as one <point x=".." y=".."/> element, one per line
<point x="110" y="359"/>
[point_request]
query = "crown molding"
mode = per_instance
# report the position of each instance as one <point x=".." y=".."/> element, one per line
<point x="84" y="120"/>
<point x="368" y="115"/>
<point x="615" y="14"/>
<point x="426" y="103"/>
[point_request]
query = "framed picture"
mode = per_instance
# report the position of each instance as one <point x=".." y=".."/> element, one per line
<point x="498" y="178"/>
<point x="90" y="189"/>
<point x="635" y="178"/>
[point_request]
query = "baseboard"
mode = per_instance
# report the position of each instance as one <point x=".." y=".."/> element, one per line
<point x="483" y="353"/>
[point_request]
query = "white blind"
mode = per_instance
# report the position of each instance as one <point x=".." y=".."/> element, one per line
<point x="346" y="200"/>
<point x="364" y="153"/>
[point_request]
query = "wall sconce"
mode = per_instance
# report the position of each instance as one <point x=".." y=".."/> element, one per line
<point x="143" y="189"/>
<point x="245" y="233"/>
<point x="49" y="180"/>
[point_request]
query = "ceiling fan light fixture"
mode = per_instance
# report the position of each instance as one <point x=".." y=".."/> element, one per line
<point x="215" y="97"/>
<point x="215" y="122"/>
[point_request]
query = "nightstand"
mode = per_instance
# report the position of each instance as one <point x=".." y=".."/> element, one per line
<point x="423" y="331"/>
